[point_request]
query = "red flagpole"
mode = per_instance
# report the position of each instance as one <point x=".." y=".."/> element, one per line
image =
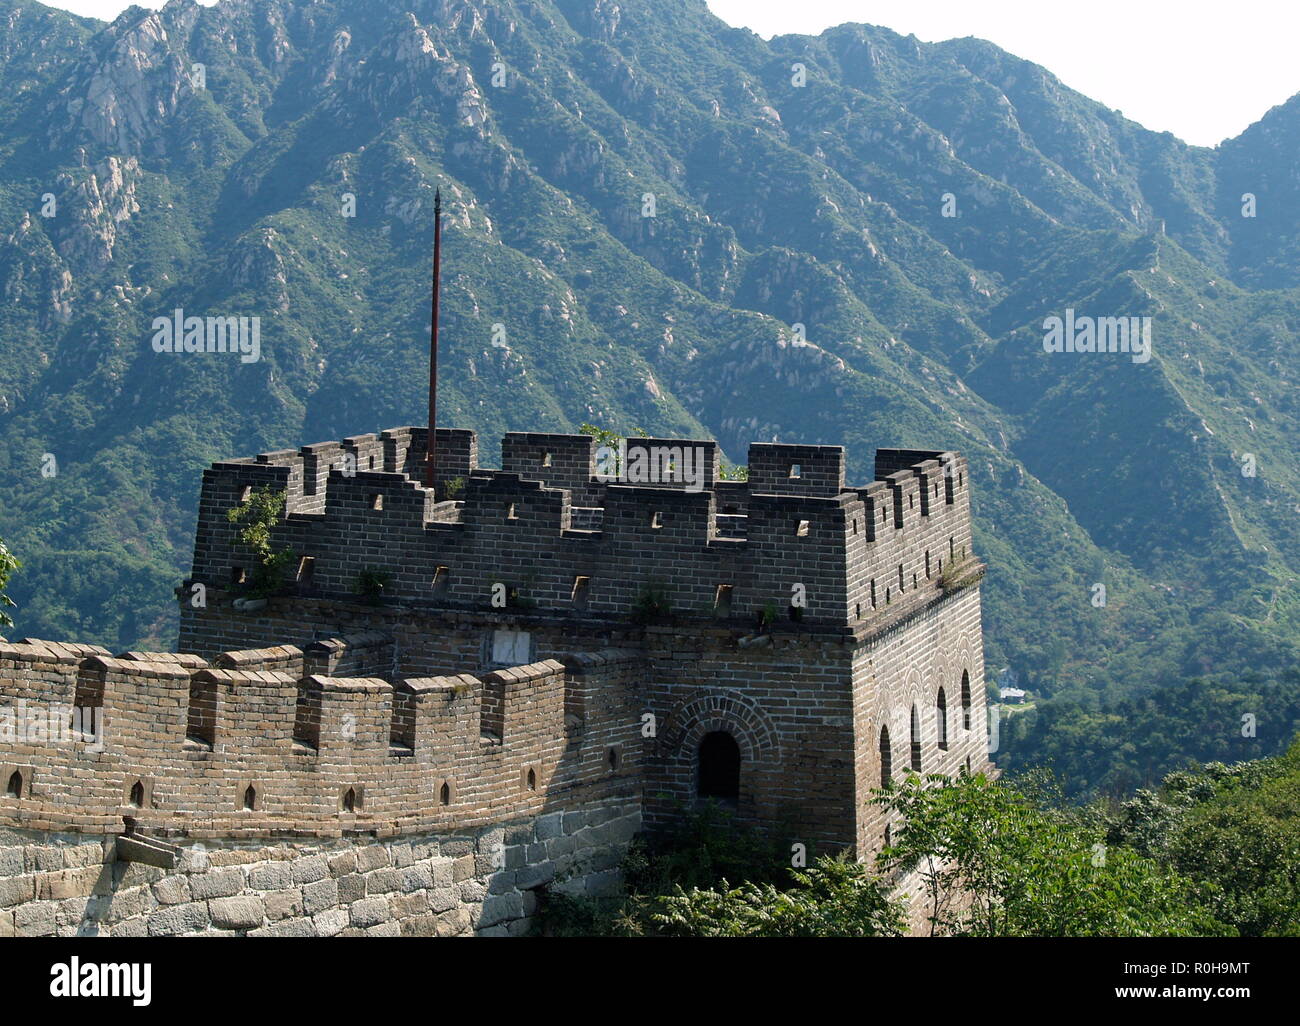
<point x="431" y="457"/>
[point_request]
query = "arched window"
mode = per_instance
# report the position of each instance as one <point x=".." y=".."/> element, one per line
<point x="916" y="740"/>
<point x="532" y="780"/>
<point x="250" y="798"/>
<point x="350" y="800"/>
<point x="444" y="794"/>
<point x="137" y="794"/>
<point x="15" y="787"/>
<point x="886" y="758"/>
<point x="719" y="769"/>
<point x="965" y="700"/>
<point x="941" y="719"/>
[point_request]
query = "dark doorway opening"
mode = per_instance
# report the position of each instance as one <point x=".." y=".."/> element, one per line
<point x="720" y="767"/>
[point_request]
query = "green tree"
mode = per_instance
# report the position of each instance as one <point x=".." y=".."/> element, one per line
<point x="992" y="863"/>
<point x="1235" y="831"/>
<point x="8" y="564"/>
<point x="256" y="516"/>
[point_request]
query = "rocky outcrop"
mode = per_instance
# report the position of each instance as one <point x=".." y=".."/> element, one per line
<point x="92" y="203"/>
<point x="123" y="101"/>
<point x="33" y="276"/>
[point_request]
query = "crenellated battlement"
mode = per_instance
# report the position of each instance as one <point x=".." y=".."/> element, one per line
<point x="582" y="625"/>
<point x="262" y="742"/>
<point x="570" y="527"/>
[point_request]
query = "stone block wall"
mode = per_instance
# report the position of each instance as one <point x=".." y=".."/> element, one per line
<point x="483" y="882"/>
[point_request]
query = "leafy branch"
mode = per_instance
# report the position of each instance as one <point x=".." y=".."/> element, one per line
<point x="261" y="512"/>
<point x="8" y="564"/>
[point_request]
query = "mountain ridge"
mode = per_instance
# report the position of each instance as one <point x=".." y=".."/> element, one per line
<point x="776" y="206"/>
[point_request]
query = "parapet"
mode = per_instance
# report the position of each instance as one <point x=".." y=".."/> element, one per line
<point x="239" y="749"/>
<point x="816" y="470"/>
<point x="569" y="527"/>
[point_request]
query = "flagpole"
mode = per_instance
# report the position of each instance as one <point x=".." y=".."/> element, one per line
<point x="431" y="456"/>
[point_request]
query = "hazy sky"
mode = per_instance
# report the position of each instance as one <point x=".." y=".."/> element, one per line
<point x="1202" y="69"/>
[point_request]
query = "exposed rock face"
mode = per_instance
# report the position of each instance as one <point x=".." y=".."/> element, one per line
<point x="125" y="99"/>
<point x="546" y="127"/>
<point x="256" y="264"/>
<point x="92" y="204"/>
<point x="36" y="277"/>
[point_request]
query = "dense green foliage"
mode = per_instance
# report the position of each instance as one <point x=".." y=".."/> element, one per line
<point x="835" y="897"/>
<point x="1111" y="748"/>
<point x="8" y="564"/>
<point x="1214" y="851"/>
<point x="993" y="862"/>
<point x="1233" y="830"/>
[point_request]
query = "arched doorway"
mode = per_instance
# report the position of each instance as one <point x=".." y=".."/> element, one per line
<point x="719" y="768"/>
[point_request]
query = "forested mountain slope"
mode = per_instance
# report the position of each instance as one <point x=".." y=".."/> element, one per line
<point x="801" y="189"/>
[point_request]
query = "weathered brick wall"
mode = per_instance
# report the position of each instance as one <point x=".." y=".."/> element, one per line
<point x="904" y="669"/>
<point x="785" y="694"/>
<point x="517" y="528"/>
<point x="425" y="642"/>
<point x="199" y="786"/>
<point x="786" y="698"/>
<point x="352" y="718"/>
<point x="483" y="882"/>
<point x="904" y="532"/>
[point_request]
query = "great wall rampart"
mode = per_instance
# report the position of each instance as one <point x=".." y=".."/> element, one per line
<point x="558" y="538"/>
<point x="548" y="649"/>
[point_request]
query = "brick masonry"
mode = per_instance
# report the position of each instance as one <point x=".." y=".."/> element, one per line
<point x="545" y="639"/>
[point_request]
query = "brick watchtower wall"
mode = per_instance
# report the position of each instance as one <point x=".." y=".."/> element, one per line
<point x="832" y="633"/>
<point x="242" y="748"/>
<point x="789" y="611"/>
<point x="853" y="556"/>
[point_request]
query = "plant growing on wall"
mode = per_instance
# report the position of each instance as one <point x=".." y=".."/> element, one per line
<point x="8" y="564"/>
<point x="960" y="575"/>
<point x="257" y="515"/>
<point x="371" y="585"/>
<point x="651" y="604"/>
<point x="607" y="439"/>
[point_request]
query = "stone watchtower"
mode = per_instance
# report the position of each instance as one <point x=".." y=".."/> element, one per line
<point x="461" y="694"/>
<point x="787" y="642"/>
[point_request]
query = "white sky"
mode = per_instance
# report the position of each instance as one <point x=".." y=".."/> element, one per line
<point x="1202" y="69"/>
